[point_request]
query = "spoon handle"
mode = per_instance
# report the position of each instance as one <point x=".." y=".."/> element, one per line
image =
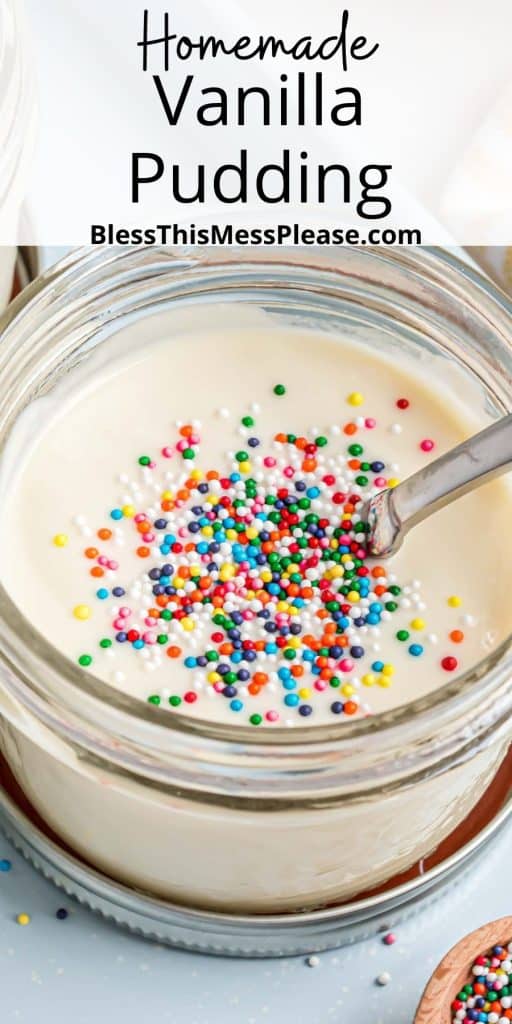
<point x="481" y="458"/>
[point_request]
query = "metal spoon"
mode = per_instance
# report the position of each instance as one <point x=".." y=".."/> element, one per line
<point x="392" y="513"/>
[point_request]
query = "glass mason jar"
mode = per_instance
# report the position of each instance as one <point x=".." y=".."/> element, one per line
<point x="228" y="817"/>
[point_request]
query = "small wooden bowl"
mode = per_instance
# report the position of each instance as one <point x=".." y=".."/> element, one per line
<point x="454" y="970"/>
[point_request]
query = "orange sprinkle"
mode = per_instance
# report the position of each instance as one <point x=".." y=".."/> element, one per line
<point x="167" y="505"/>
<point x="254" y="689"/>
<point x="97" y="571"/>
<point x="104" y="533"/>
<point x="280" y="438"/>
<point x="260" y="678"/>
<point x="212" y="474"/>
<point x="354" y="464"/>
<point x="378" y="571"/>
<point x="301" y="443"/>
<point x="350" y="707"/>
<point x="143" y="551"/>
<point x="457" y="636"/>
<point x="173" y="651"/>
<point x="187" y="430"/>
<point x="350" y="428"/>
<point x="309" y="465"/>
<point x="91" y="552"/>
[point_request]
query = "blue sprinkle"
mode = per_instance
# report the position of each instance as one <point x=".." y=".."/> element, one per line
<point x="102" y="593"/>
<point x="291" y="700"/>
<point x="378" y="666"/>
<point x="116" y="513"/>
<point x="5" y="865"/>
<point x="138" y="644"/>
<point x="313" y="492"/>
<point x="236" y="705"/>
<point x="416" y="650"/>
<point x="190" y="662"/>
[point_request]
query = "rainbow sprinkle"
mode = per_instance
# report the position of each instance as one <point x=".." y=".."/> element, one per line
<point x="488" y="996"/>
<point x="257" y="578"/>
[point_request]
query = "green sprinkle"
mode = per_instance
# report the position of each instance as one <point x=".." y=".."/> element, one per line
<point x="321" y="441"/>
<point x="355" y="449"/>
<point x="391" y="606"/>
<point x="255" y="719"/>
<point x="291" y="438"/>
<point x="106" y="642"/>
<point x="174" y="701"/>
<point x="402" y="635"/>
<point x="144" y="460"/>
<point x="241" y="456"/>
<point x="334" y="681"/>
<point x="162" y="638"/>
<point x="189" y="453"/>
<point x="247" y="421"/>
<point x="154" y="699"/>
<point x="278" y="390"/>
<point x="85" y="660"/>
<point x="166" y="614"/>
<point x="361" y="481"/>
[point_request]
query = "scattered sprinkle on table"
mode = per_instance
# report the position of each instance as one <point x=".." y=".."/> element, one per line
<point x="383" y="979"/>
<point x="23" y="919"/>
<point x="5" y="865"/>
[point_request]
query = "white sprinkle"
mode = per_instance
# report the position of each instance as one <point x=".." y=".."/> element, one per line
<point x="313" y="961"/>
<point x="383" y="979"/>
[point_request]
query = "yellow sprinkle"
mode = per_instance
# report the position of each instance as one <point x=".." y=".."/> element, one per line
<point x="346" y="558"/>
<point x="355" y="398"/>
<point x="196" y="474"/>
<point x="347" y="690"/>
<point x="207" y="531"/>
<point x="227" y="571"/>
<point x="304" y="692"/>
<point x="244" y="467"/>
<point x="230" y="534"/>
<point x="417" y="624"/>
<point x="60" y="540"/>
<point x="384" y="681"/>
<point x="82" y="612"/>
<point x="294" y="642"/>
<point x="266" y="576"/>
<point x="213" y="499"/>
<point x="128" y="511"/>
<point x="388" y="670"/>
<point x="178" y="582"/>
<point x="369" y="679"/>
<point x="23" y="918"/>
<point x="454" y="601"/>
<point x="282" y="606"/>
<point x="353" y="596"/>
<point x="251" y="533"/>
<point x="167" y="495"/>
<point x="393" y="481"/>
<point x="213" y="677"/>
<point x="195" y="570"/>
<point x="187" y="624"/>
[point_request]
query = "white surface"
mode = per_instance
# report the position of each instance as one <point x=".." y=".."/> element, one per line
<point x="84" y="969"/>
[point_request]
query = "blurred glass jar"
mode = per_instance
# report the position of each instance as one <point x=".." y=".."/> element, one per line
<point x="17" y="127"/>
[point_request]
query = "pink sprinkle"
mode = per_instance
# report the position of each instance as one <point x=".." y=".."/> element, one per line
<point x="370" y="423"/>
<point x="269" y="461"/>
<point x="148" y="537"/>
<point x="139" y="518"/>
<point x="182" y="532"/>
<point x="248" y="615"/>
<point x="389" y="939"/>
<point x="118" y="623"/>
<point x="346" y="665"/>
<point x="272" y="716"/>
<point x="380" y="481"/>
<point x="113" y="564"/>
<point x="152" y="465"/>
<point x="125" y="612"/>
<point x="149" y="638"/>
<point x="102" y="560"/>
<point x="194" y="439"/>
<point x="167" y="452"/>
<point x="149" y="622"/>
<point x="218" y="687"/>
<point x="181" y="446"/>
<point x="288" y="471"/>
<point x="320" y="685"/>
<point x="426" y="445"/>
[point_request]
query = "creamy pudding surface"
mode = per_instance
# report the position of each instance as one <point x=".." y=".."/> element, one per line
<point x="183" y="522"/>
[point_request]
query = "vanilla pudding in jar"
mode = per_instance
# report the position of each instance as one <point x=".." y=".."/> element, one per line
<point x="210" y="690"/>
